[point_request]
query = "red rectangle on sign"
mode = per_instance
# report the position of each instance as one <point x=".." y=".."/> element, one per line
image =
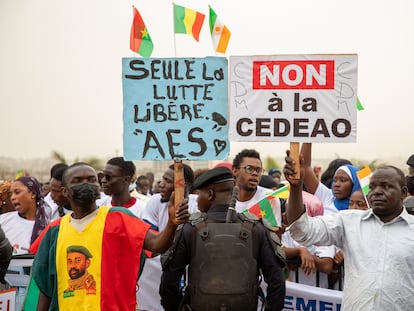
<point x="294" y="74"/>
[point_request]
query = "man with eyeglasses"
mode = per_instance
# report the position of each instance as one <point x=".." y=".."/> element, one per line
<point x="248" y="169"/>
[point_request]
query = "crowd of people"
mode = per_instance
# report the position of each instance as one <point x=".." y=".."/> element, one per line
<point x="112" y="240"/>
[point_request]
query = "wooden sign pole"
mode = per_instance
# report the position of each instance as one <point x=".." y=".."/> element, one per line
<point x="179" y="183"/>
<point x="294" y="154"/>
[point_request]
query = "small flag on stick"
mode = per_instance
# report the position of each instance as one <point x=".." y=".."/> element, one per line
<point x="359" y="105"/>
<point x="220" y="34"/>
<point x="188" y="21"/>
<point x="140" y="40"/>
<point x="364" y="175"/>
<point x="19" y="174"/>
<point x="263" y="208"/>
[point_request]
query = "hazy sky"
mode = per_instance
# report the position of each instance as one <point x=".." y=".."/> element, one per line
<point x="60" y="66"/>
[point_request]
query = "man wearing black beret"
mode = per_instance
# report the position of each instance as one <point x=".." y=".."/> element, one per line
<point x="213" y="270"/>
<point x="78" y="259"/>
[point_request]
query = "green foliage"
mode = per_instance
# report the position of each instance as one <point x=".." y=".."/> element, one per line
<point x="269" y="163"/>
<point x="95" y="162"/>
<point x="59" y="157"/>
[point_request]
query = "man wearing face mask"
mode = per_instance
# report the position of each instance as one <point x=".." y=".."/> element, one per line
<point x="114" y="237"/>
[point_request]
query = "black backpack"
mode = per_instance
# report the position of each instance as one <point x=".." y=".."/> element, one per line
<point x="223" y="274"/>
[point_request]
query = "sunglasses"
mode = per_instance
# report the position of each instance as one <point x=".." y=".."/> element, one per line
<point x="250" y="169"/>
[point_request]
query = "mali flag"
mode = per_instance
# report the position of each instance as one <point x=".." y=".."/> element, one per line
<point x="140" y="41"/>
<point x="111" y="244"/>
<point x="187" y="21"/>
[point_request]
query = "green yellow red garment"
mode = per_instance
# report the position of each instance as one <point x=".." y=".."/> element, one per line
<point x="114" y="265"/>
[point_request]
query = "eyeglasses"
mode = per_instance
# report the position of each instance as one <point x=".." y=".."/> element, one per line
<point x="250" y="169"/>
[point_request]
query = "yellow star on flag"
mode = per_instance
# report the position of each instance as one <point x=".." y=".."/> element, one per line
<point x="144" y="33"/>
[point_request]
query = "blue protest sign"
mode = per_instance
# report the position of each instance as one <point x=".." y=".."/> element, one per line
<point x="175" y="108"/>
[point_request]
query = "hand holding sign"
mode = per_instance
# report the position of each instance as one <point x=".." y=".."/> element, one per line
<point x="294" y="154"/>
<point x="179" y="183"/>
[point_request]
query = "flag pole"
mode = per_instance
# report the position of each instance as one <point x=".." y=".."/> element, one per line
<point x="294" y="154"/>
<point x="133" y="15"/>
<point x="175" y="50"/>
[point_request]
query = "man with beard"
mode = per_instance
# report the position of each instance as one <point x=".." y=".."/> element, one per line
<point x="78" y="259"/>
<point x="248" y="169"/>
<point x="113" y="236"/>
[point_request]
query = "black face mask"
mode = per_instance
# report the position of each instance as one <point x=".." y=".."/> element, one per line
<point x="85" y="194"/>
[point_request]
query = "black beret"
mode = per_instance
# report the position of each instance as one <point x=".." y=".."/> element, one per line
<point x="410" y="160"/>
<point x="214" y="176"/>
<point x="79" y="249"/>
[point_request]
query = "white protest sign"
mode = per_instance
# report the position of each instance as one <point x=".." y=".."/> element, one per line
<point x="293" y="98"/>
<point x="8" y="299"/>
<point x="302" y="297"/>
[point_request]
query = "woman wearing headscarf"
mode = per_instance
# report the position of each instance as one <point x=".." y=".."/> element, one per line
<point x="344" y="183"/>
<point x="31" y="216"/>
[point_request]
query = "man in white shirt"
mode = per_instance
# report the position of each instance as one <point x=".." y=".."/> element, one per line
<point x="248" y="169"/>
<point x="61" y="205"/>
<point x="116" y="178"/>
<point x="156" y="214"/>
<point x="378" y="243"/>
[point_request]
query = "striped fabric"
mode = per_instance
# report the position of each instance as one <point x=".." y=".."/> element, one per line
<point x="188" y="21"/>
<point x="220" y="34"/>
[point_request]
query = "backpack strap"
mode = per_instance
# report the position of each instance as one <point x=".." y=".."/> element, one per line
<point x="248" y="221"/>
<point x="198" y="220"/>
<point x="275" y="242"/>
<point x="197" y="217"/>
<point x="169" y="254"/>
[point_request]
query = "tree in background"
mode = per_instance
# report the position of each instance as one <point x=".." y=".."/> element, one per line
<point x="95" y="162"/>
<point x="269" y="163"/>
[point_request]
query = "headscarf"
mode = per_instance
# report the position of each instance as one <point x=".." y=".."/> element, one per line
<point x="42" y="208"/>
<point x="351" y="171"/>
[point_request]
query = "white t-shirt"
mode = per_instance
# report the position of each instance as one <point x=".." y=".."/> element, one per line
<point x="104" y="200"/>
<point x="54" y="207"/>
<point x="319" y="251"/>
<point x="327" y="198"/>
<point x="155" y="212"/>
<point x="260" y="194"/>
<point x="18" y="230"/>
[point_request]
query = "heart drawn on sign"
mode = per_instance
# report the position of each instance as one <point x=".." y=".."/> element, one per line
<point x="219" y="146"/>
